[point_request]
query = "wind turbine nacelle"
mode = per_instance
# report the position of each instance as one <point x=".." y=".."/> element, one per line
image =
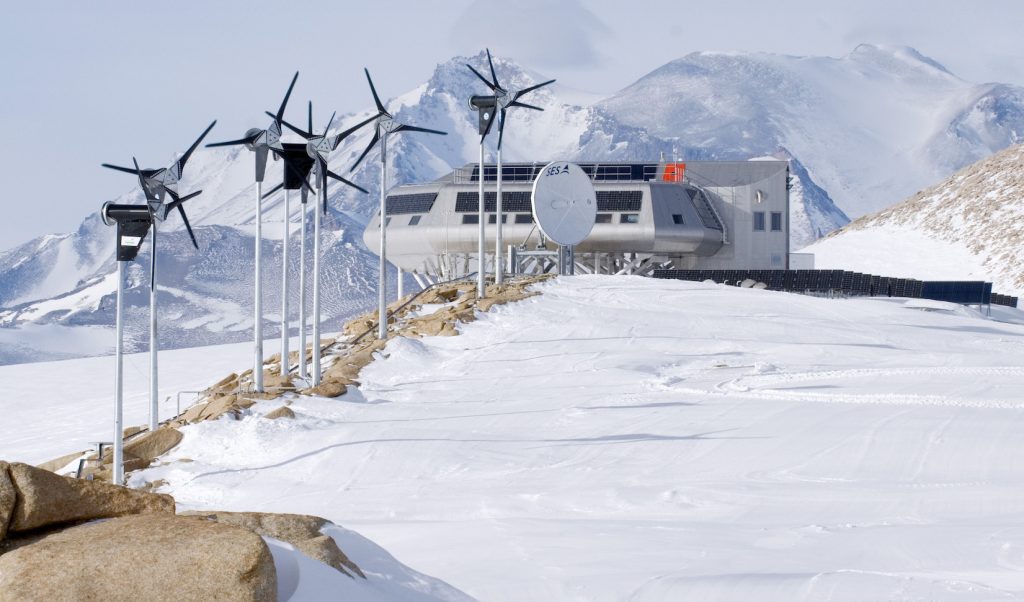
<point x="252" y="133"/>
<point x="133" y="223"/>
<point x="485" y="107"/>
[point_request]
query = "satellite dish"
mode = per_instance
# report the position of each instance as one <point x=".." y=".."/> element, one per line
<point x="564" y="203"/>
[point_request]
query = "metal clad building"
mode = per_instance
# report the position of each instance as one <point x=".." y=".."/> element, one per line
<point x="692" y="215"/>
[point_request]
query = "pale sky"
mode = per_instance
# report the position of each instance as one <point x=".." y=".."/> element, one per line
<point x="92" y="82"/>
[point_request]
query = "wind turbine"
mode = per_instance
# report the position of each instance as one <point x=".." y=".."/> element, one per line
<point x="501" y="100"/>
<point x="318" y="147"/>
<point x="385" y="126"/>
<point x="261" y="142"/>
<point x="156" y="184"/>
<point x="133" y="223"/>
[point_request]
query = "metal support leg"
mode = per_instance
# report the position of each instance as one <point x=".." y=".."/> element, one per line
<point x="154" y="396"/>
<point x="257" y="367"/>
<point x="481" y="270"/>
<point x="284" y="286"/>
<point x="303" y="373"/>
<point x="316" y="281"/>
<point x="382" y="299"/>
<point x="499" y="267"/>
<point x="118" y="465"/>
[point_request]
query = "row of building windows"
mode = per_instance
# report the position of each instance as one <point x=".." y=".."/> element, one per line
<point x="776" y="221"/>
<point x="527" y="218"/>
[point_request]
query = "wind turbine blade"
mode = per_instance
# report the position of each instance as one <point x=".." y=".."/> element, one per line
<point x="376" y="99"/>
<point x="310" y="113"/>
<point x="119" y="168"/>
<point x="179" y="200"/>
<point x="306" y="135"/>
<point x="191" y="149"/>
<point x="329" y="123"/>
<point x="516" y="103"/>
<point x="501" y="128"/>
<point x="344" y="181"/>
<point x="487" y="130"/>
<point x="284" y="103"/>
<point x="482" y="78"/>
<point x="490" y="63"/>
<point x="532" y="88"/>
<point x="188" y="226"/>
<point x="273" y="190"/>
<point x="246" y="140"/>
<point x="413" y="128"/>
<point x="338" y="138"/>
<point x="142" y="180"/>
<point x="376" y="137"/>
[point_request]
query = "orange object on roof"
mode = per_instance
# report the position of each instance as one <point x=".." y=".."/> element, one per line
<point x="674" y="172"/>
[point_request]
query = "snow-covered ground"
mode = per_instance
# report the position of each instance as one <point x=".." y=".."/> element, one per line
<point x="624" y="438"/>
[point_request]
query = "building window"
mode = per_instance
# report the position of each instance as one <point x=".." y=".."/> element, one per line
<point x="493" y="219"/>
<point x="524" y="218"/>
<point x="677" y="219"/>
<point x="629" y="218"/>
<point x="776" y="221"/>
<point x="603" y="218"/>
<point x="414" y="220"/>
<point x="759" y="221"/>
<point x="470" y="218"/>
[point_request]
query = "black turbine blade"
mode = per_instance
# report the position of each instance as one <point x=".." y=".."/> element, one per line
<point x="306" y="135"/>
<point x="311" y="117"/>
<point x="240" y="141"/>
<point x="284" y="103"/>
<point x="191" y="149"/>
<point x="119" y="168"/>
<point x="179" y="200"/>
<point x="344" y="181"/>
<point x="490" y="63"/>
<point x="339" y="137"/>
<point x="142" y="179"/>
<point x="482" y="78"/>
<point x="488" y="129"/>
<point x="413" y="128"/>
<point x="376" y="137"/>
<point x="532" y="88"/>
<point x="516" y="103"/>
<point x="376" y="99"/>
<point x="273" y="190"/>
<point x="501" y="128"/>
<point x="188" y="226"/>
<point x="330" y="122"/>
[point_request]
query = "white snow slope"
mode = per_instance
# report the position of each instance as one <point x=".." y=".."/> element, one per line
<point x="968" y="227"/>
<point x="620" y="438"/>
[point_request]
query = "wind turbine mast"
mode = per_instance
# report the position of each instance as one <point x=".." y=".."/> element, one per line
<point x="499" y="101"/>
<point x="385" y="126"/>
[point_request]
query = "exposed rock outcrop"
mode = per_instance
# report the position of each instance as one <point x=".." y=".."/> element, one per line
<point x="146" y="557"/>
<point x="44" y="499"/>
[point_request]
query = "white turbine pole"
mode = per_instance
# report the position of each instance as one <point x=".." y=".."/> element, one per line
<point x="480" y="285"/>
<point x="316" y="281"/>
<point x="118" y="465"/>
<point x="382" y="300"/>
<point x="499" y="268"/>
<point x="401" y="287"/>
<point x="284" y="286"/>
<point x="257" y="368"/>
<point x="302" y="294"/>
<point x="153" y="350"/>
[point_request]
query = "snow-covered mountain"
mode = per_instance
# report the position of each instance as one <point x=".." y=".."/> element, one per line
<point x="969" y="227"/>
<point x="56" y="292"/>
<point x="871" y="127"/>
